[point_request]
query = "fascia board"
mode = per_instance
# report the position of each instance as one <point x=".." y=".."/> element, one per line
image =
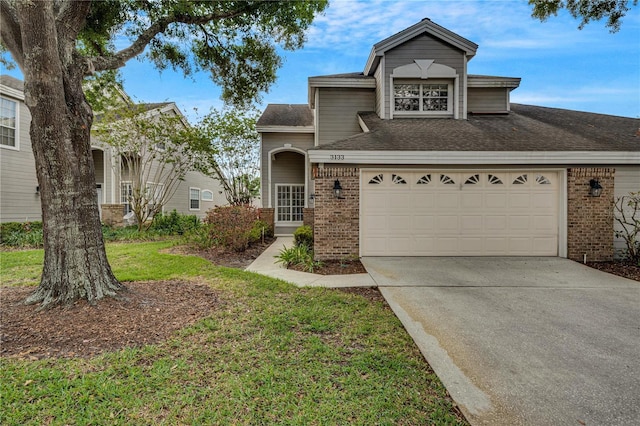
<point x="368" y="83"/>
<point x="285" y="129"/>
<point x="354" y="83"/>
<point x="372" y="63"/>
<point x="475" y="157"/>
<point x="11" y="92"/>
<point x="426" y="26"/>
<point x="493" y="82"/>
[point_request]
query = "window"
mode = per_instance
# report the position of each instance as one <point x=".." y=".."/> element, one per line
<point x="126" y="193"/>
<point x="207" y="195"/>
<point x="290" y="202"/>
<point x="194" y="199"/>
<point x="8" y="123"/>
<point x="427" y="98"/>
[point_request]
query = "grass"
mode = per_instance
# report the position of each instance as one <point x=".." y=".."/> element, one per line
<point x="273" y="354"/>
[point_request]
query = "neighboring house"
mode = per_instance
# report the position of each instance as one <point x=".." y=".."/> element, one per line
<point x="432" y="161"/>
<point x="19" y="190"/>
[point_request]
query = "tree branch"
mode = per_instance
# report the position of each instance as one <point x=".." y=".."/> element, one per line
<point x="10" y="31"/>
<point x="119" y="59"/>
<point x="71" y="17"/>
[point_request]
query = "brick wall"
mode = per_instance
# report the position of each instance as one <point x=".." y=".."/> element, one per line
<point x="336" y="221"/>
<point x="112" y="215"/>
<point x="590" y="219"/>
<point x="307" y="217"/>
<point x="268" y="215"/>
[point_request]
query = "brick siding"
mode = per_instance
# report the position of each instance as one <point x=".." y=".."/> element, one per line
<point x="336" y="221"/>
<point x="307" y="217"/>
<point x="268" y="215"/>
<point x="590" y="219"/>
<point x="112" y="215"/>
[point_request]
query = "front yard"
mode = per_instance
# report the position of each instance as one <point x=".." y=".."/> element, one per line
<point x="211" y="345"/>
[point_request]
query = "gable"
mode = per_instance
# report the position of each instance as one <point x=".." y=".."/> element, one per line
<point x="422" y="28"/>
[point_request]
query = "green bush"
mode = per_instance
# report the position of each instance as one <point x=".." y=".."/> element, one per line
<point x="260" y="230"/>
<point x="303" y="236"/>
<point x="298" y="255"/>
<point x="231" y="226"/>
<point x="21" y="234"/>
<point x="174" y="223"/>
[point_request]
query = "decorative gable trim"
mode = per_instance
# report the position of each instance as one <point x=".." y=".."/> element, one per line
<point x="424" y="26"/>
<point x="424" y="69"/>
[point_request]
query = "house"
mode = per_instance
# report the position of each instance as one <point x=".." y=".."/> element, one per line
<point x="413" y="156"/>
<point x="19" y="190"/>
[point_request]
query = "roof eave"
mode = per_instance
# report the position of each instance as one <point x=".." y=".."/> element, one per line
<point x="11" y="92"/>
<point x="477" y="157"/>
<point x="509" y="82"/>
<point x="353" y="83"/>
<point x="285" y="129"/>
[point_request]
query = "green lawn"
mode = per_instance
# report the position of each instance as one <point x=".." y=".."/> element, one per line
<point x="274" y="354"/>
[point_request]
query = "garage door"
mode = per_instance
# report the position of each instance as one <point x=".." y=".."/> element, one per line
<point x="453" y="213"/>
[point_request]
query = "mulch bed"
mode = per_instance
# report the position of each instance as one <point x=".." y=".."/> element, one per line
<point x="335" y="267"/>
<point x="627" y="270"/>
<point x="149" y="313"/>
<point x="230" y="258"/>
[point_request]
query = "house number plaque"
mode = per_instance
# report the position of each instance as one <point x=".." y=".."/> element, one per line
<point x="336" y="157"/>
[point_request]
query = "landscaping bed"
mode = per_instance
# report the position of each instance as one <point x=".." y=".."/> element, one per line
<point x="627" y="270"/>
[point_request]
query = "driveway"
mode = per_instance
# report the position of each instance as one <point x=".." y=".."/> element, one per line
<point x="535" y="341"/>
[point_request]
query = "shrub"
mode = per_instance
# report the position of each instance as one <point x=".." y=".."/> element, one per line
<point x="260" y="230"/>
<point x="627" y="214"/>
<point x="298" y="255"/>
<point x="19" y="234"/>
<point x="231" y="226"/>
<point x="174" y="223"/>
<point x="303" y="236"/>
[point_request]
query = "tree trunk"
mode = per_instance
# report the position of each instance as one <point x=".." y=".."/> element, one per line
<point x="75" y="261"/>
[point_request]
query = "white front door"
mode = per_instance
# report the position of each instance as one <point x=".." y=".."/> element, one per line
<point x="453" y="213"/>
<point x="289" y="203"/>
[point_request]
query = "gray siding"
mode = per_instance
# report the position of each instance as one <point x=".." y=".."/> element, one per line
<point x="271" y="141"/>
<point x="424" y="47"/>
<point x="18" y="199"/>
<point x="337" y="110"/>
<point x="627" y="180"/>
<point x="180" y="200"/>
<point x="487" y="99"/>
<point x="379" y="92"/>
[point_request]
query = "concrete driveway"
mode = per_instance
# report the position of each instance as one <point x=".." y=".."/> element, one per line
<point x="535" y="341"/>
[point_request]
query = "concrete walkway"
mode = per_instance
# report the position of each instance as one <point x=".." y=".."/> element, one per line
<point x="266" y="264"/>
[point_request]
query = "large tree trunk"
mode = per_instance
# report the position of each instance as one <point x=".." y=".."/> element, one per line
<point x="75" y="261"/>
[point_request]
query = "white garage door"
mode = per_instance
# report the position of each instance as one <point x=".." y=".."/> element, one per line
<point x="442" y="213"/>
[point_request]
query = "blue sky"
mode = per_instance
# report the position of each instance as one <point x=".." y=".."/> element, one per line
<point x="560" y="66"/>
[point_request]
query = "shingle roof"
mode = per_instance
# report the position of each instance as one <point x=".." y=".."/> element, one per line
<point x="153" y="105"/>
<point x="526" y="128"/>
<point x="297" y="115"/>
<point x="12" y="82"/>
<point x="345" y="75"/>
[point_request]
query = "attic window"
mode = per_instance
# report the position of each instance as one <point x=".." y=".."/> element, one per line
<point x="422" y="98"/>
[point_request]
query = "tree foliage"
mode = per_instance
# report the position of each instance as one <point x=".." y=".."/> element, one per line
<point x="59" y="43"/>
<point x="234" y="150"/>
<point x="585" y="10"/>
<point x="153" y="151"/>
